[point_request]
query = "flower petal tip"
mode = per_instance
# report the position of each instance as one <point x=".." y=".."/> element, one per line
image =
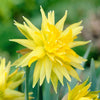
<point x="40" y="6"/>
<point x="90" y="41"/>
<point x="62" y="84"/>
<point x="82" y="69"/>
<point x="70" y="80"/>
<point x="66" y="11"/>
<point x="14" y="21"/>
<point x="81" y="21"/>
<point x="56" y="91"/>
<point x="23" y="17"/>
<point x="10" y="39"/>
<point x="48" y="81"/>
<point x="33" y="85"/>
<point x="40" y="83"/>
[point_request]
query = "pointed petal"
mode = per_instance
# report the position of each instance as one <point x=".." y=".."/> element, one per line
<point x="76" y="59"/>
<point x="60" y="23"/>
<point x="72" y="72"/>
<point x="23" y="30"/>
<point x="78" y="43"/>
<point x="13" y="93"/>
<point x="3" y="63"/>
<point x="51" y="17"/>
<point x="7" y="70"/>
<point x="36" y="74"/>
<point x="83" y="92"/>
<point x="18" y="61"/>
<point x="31" y="25"/>
<point x="15" y="84"/>
<point x="36" y="36"/>
<point x="15" y="76"/>
<point x="48" y="66"/>
<point x="82" y="85"/>
<point x="12" y="74"/>
<point x="42" y="72"/>
<point x="44" y="19"/>
<point x="77" y="65"/>
<point x="76" y="29"/>
<point x="59" y="75"/>
<point x="27" y="43"/>
<point x="64" y="72"/>
<point x="54" y="81"/>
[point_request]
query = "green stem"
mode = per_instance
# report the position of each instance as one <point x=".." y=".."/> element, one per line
<point x="26" y="83"/>
<point x="40" y="93"/>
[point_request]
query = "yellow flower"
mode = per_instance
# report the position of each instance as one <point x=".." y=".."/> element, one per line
<point x="82" y="92"/>
<point x="51" y="47"/>
<point x="9" y="82"/>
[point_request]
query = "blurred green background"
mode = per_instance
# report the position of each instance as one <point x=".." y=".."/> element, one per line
<point x="86" y="10"/>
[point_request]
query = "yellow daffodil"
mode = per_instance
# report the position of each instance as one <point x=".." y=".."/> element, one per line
<point x="51" y="47"/>
<point x="82" y="92"/>
<point x="9" y="82"/>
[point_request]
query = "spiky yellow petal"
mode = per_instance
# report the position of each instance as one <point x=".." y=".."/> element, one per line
<point x="31" y="25"/>
<point x="42" y="72"/>
<point x="36" y="74"/>
<point x="23" y="30"/>
<point x="8" y="82"/>
<point x="82" y="92"/>
<point x="48" y="68"/>
<point x="60" y="23"/>
<point x="77" y="65"/>
<point x="59" y="75"/>
<point x="54" y="81"/>
<point x="27" y="43"/>
<point x="64" y="72"/>
<point x="44" y="20"/>
<point x="51" y="18"/>
<point x="72" y="72"/>
<point x="78" y="43"/>
<point x="76" y="29"/>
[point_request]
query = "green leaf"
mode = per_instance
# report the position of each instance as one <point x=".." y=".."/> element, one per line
<point x="27" y="83"/>
<point x="92" y="75"/>
<point x="86" y="54"/>
<point x="46" y="90"/>
<point x="85" y="57"/>
<point x="35" y="90"/>
<point x="98" y="83"/>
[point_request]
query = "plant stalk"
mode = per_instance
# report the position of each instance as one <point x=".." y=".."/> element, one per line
<point x="26" y="83"/>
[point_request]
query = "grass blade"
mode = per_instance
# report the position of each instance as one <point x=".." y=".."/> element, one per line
<point x="92" y="75"/>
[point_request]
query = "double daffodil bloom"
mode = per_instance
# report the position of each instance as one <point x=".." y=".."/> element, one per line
<point x="51" y="47"/>
<point x="82" y="92"/>
<point x="9" y="82"/>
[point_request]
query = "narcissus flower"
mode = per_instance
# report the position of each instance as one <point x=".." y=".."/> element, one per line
<point x="9" y="82"/>
<point x="51" y="47"/>
<point x="82" y="92"/>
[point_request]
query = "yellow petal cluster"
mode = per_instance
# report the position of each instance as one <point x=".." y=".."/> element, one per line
<point x="82" y="92"/>
<point x="51" y="47"/>
<point x="8" y="82"/>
